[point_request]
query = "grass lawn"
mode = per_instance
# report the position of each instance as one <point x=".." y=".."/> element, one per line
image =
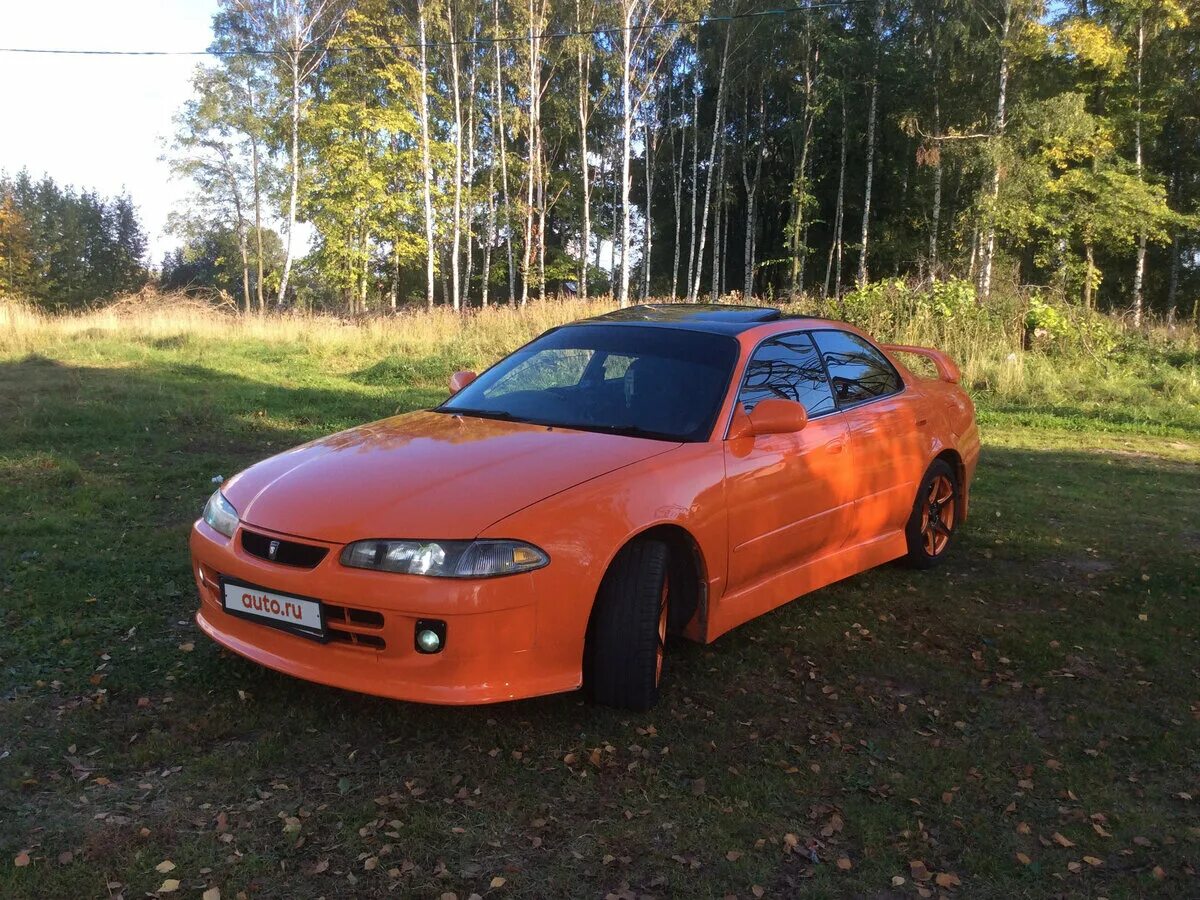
<point x="1023" y="721"/>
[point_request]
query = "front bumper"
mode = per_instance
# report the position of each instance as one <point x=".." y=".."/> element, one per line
<point x="493" y="651"/>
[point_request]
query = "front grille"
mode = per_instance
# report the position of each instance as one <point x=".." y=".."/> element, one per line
<point x="288" y="553"/>
<point x="348" y="625"/>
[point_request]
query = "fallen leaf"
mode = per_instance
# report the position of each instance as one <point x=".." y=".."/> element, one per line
<point x="757" y="891"/>
<point x="698" y="787"/>
<point x="948" y="797"/>
<point x="21" y="859"/>
<point x="1023" y="828"/>
<point x="1093" y="860"/>
<point x="371" y="863"/>
<point x="844" y="864"/>
<point x="947" y="880"/>
<point x="164" y="867"/>
<point x="291" y="825"/>
<point x="169" y="886"/>
<point x="1062" y="841"/>
<point x="187" y="646"/>
<point x="918" y="870"/>
<point x="1159" y="873"/>
<point x="897" y="880"/>
<point x="212" y="893"/>
<point x="320" y="867"/>
<point x="733" y="855"/>
<point x="1023" y="859"/>
<point x="498" y="882"/>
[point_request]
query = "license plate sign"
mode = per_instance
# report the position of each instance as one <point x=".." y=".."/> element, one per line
<point x="281" y="610"/>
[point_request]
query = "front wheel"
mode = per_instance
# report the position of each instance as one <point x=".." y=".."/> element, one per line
<point x="623" y="660"/>
<point x="931" y="526"/>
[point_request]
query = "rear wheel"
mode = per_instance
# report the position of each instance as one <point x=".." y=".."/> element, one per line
<point x="623" y="660"/>
<point x="930" y="528"/>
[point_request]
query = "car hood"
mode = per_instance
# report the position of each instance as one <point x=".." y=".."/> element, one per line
<point x="423" y="475"/>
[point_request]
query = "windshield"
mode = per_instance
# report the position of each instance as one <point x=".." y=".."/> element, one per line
<point x="664" y="383"/>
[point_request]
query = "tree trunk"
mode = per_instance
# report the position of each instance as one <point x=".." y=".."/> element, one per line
<point x="456" y="222"/>
<point x="798" y="225"/>
<point x="835" y="245"/>
<point x="676" y="188"/>
<point x="468" y="187"/>
<point x="490" y="239"/>
<point x="541" y="200"/>
<point x="751" y="186"/>
<point x="651" y="151"/>
<point x="245" y="251"/>
<point x="692" y="236"/>
<point x="426" y="165"/>
<point x="294" y="187"/>
<point x="1176" y="255"/>
<point x="257" y="181"/>
<point x="1089" y="269"/>
<point x="936" y="216"/>
<point x="870" y="171"/>
<point x="512" y="275"/>
<point x="534" y="180"/>
<point x="989" y="237"/>
<point x="626" y="139"/>
<point x="718" y="122"/>
<point x="1139" y="271"/>
<point x="584" y="69"/>
<point x="718" y="266"/>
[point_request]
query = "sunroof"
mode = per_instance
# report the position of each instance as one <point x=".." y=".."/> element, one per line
<point x="692" y="312"/>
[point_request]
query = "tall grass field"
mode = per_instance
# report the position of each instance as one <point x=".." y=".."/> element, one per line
<point x="1023" y="721"/>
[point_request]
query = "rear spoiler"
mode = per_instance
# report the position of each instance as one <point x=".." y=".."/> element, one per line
<point x="946" y="368"/>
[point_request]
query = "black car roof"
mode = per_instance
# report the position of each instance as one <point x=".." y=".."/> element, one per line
<point x="717" y="318"/>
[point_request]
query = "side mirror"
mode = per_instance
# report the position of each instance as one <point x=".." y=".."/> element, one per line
<point x="772" y="416"/>
<point x="460" y="380"/>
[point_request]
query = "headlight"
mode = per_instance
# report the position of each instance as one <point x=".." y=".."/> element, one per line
<point x="445" y="559"/>
<point x="220" y="514"/>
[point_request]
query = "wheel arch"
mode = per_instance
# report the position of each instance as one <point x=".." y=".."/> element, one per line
<point x="688" y="565"/>
<point x="955" y="460"/>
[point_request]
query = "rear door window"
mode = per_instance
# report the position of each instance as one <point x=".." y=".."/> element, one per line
<point x="857" y="371"/>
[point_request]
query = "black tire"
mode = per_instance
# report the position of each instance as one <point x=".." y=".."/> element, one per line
<point x="621" y="663"/>
<point x="935" y="515"/>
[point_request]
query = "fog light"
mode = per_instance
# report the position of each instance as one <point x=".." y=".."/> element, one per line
<point x="430" y="636"/>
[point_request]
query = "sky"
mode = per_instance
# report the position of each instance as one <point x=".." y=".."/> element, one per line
<point x="98" y="122"/>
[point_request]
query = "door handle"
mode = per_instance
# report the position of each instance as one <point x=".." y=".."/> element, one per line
<point x="921" y="423"/>
<point x="835" y="446"/>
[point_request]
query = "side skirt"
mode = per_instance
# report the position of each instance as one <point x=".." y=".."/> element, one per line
<point x="749" y="603"/>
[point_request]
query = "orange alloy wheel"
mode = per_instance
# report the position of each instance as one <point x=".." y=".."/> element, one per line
<point x="661" y="650"/>
<point x="937" y="518"/>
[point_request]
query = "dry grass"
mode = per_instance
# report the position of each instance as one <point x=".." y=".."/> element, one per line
<point x="1149" y="366"/>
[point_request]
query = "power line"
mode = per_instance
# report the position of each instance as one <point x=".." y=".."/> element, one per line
<point x="482" y="41"/>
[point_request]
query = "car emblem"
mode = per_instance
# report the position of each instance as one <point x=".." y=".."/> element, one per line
<point x="272" y="549"/>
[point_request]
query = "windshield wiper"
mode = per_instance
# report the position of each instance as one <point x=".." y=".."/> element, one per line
<point x="480" y="413"/>
<point x="626" y="431"/>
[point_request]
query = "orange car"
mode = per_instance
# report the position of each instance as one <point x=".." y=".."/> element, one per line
<point x="658" y="470"/>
